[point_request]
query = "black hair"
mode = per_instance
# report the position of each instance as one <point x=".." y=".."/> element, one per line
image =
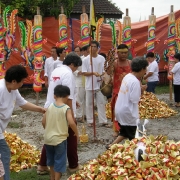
<point x="61" y="91"/>
<point x="85" y="48"/>
<point x="150" y="54"/>
<point x="138" y="63"/>
<point x="17" y="73"/>
<point x="59" y="51"/>
<point x="72" y="58"/>
<point x="78" y="47"/>
<point x="122" y="46"/>
<point x="103" y="54"/>
<point x="177" y="56"/>
<point x="94" y="42"/>
<point x="54" y="47"/>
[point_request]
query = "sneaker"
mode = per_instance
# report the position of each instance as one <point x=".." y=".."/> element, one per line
<point x="79" y="167"/>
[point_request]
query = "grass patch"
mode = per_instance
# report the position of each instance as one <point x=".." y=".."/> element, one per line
<point x="162" y="89"/>
<point x="28" y="175"/>
<point x="15" y="125"/>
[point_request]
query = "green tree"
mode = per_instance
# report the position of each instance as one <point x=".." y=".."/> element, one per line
<point x="27" y="8"/>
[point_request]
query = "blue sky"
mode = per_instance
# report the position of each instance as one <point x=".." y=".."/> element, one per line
<point x="142" y="8"/>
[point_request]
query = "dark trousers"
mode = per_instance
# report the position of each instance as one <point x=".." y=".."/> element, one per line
<point x="177" y="93"/>
<point x="151" y="86"/>
<point x="71" y="151"/>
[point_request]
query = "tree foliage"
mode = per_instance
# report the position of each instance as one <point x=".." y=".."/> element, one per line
<point x="28" y="8"/>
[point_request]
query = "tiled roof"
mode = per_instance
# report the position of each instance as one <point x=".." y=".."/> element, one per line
<point x="101" y="7"/>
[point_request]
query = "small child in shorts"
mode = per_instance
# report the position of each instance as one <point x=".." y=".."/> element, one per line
<point x="55" y="122"/>
<point x="126" y="107"/>
<point x="1" y="169"/>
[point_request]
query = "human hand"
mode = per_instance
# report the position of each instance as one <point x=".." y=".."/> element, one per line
<point x="77" y="105"/>
<point x="79" y="73"/>
<point x="46" y="84"/>
<point x="96" y="74"/>
<point x="42" y="110"/>
<point x="143" y="87"/>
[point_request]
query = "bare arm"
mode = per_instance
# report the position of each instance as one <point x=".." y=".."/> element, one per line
<point x="71" y="122"/>
<point x="46" y="81"/>
<point x="44" y="121"/>
<point x="69" y="103"/>
<point x="90" y="74"/>
<point x="32" y="107"/>
<point x="148" y="75"/>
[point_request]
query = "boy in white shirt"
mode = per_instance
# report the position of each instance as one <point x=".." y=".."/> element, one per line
<point x="152" y="74"/>
<point x="49" y="66"/>
<point x="55" y="122"/>
<point x="176" y="79"/>
<point x="61" y="53"/>
<point x="126" y="107"/>
<point x="98" y="70"/>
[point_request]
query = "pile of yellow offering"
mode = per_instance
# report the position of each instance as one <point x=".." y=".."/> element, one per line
<point x="23" y="155"/>
<point x="108" y="111"/>
<point x="161" y="161"/>
<point x="150" y="107"/>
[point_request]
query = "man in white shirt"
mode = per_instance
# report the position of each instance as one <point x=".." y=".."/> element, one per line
<point x="63" y="75"/>
<point x="49" y="66"/>
<point x="126" y="107"/>
<point x="152" y="74"/>
<point x="98" y="69"/>
<point x="9" y="97"/>
<point x="80" y="87"/>
<point x="61" y="53"/>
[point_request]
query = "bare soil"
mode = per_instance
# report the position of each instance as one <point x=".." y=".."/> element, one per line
<point x="30" y="130"/>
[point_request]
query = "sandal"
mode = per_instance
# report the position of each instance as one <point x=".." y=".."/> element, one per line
<point x="106" y="125"/>
<point x="42" y="172"/>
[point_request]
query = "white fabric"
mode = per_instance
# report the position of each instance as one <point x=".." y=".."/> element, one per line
<point x="8" y="100"/>
<point x="98" y="66"/>
<point x="80" y="98"/>
<point x="126" y="107"/>
<point x="79" y="78"/>
<point x="57" y="63"/>
<point x="153" y="67"/>
<point x="62" y="75"/>
<point x="49" y="67"/>
<point x="100" y="106"/>
<point x="176" y="73"/>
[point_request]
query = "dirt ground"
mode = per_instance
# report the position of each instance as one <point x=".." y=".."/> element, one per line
<point x="31" y="130"/>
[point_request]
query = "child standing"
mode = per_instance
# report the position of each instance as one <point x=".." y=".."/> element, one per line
<point x="56" y="121"/>
<point x="126" y="107"/>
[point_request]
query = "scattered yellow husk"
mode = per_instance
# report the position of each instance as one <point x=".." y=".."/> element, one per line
<point x="23" y="155"/>
<point x="161" y="162"/>
<point x="150" y="107"/>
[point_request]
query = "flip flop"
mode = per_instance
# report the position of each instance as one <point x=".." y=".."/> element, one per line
<point x="42" y="172"/>
<point x="106" y="125"/>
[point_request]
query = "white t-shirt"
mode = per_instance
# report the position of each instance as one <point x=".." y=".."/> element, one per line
<point x="79" y="78"/>
<point x="126" y="107"/>
<point x="57" y="63"/>
<point x="49" y="67"/>
<point x="62" y="75"/>
<point x="176" y="71"/>
<point x="8" y="100"/>
<point x="98" y="66"/>
<point x="153" y="67"/>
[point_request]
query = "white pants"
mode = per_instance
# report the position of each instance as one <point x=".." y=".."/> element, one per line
<point x="100" y="101"/>
<point x="80" y="98"/>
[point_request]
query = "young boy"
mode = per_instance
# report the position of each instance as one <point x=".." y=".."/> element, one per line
<point x="126" y="107"/>
<point x="56" y="121"/>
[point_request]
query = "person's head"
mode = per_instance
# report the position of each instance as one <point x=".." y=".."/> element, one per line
<point x="177" y="57"/>
<point x="61" y="91"/>
<point x="139" y="65"/>
<point x="122" y="52"/>
<point x="94" y="45"/>
<point x="61" y="52"/>
<point x="73" y="61"/>
<point x="15" y="76"/>
<point x="53" y="52"/>
<point x="150" y="57"/>
<point x="77" y="50"/>
<point x="85" y="50"/>
<point x="103" y="54"/>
